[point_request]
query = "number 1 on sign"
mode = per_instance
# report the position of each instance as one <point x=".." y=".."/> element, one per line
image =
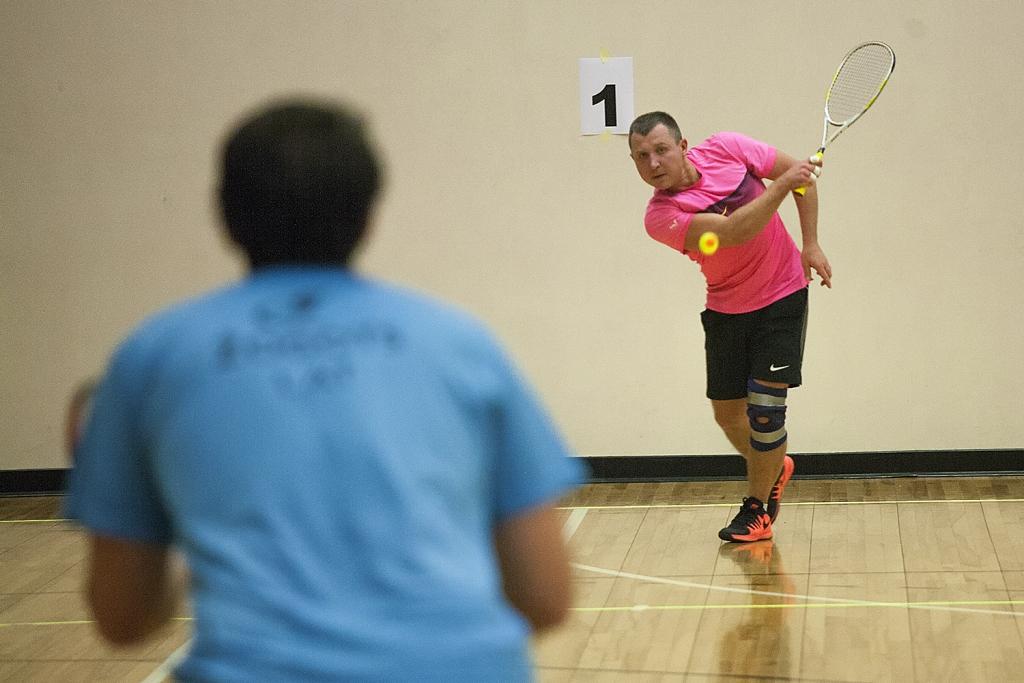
<point x="607" y="95"/>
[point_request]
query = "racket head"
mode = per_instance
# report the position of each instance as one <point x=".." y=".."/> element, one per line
<point x="860" y="78"/>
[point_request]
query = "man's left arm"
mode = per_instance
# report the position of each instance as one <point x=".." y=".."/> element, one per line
<point x="811" y="255"/>
<point x="132" y="584"/>
<point x="133" y="588"/>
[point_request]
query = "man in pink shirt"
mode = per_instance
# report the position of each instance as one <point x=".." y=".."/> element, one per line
<point x="756" y="311"/>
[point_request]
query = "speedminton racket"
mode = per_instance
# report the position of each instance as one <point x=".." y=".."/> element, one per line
<point x="858" y="82"/>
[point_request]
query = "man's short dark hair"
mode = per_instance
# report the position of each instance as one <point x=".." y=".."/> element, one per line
<point x="645" y="123"/>
<point x="299" y="180"/>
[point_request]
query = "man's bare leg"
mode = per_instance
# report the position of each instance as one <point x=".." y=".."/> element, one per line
<point x="763" y="467"/>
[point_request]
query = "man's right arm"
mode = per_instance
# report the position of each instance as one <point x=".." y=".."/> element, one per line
<point x="747" y="221"/>
<point x="534" y="563"/>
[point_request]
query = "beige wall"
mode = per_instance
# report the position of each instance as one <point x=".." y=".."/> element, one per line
<point x="112" y="110"/>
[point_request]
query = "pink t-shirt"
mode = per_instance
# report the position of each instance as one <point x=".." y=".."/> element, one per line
<point x="748" y="276"/>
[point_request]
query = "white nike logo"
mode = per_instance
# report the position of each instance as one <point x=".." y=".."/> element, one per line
<point x="772" y="367"/>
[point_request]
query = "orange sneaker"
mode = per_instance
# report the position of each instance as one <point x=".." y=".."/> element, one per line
<point x="775" y="497"/>
<point x="751" y="524"/>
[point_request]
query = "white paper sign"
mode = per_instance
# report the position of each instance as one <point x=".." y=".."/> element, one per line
<point x="606" y="95"/>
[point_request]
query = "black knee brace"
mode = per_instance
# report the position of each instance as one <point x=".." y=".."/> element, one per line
<point x="766" y="410"/>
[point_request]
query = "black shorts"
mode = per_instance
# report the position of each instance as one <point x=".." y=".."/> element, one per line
<point x="766" y="344"/>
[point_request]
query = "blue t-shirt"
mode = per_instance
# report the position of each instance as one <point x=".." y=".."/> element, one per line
<point x="332" y="456"/>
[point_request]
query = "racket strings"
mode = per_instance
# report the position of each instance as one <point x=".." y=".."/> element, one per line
<point x="861" y="77"/>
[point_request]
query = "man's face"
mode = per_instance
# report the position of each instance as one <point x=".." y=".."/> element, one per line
<point x="659" y="158"/>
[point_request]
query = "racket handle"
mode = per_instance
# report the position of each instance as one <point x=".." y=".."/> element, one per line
<point x="817" y="157"/>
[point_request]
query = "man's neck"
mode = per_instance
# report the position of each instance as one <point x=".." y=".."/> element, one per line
<point x="690" y="176"/>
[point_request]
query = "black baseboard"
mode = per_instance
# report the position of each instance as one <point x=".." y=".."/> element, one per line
<point x="606" y="469"/>
<point x="32" y="482"/>
<point x="639" y="468"/>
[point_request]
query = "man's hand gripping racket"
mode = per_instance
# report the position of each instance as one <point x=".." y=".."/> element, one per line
<point x="858" y="82"/>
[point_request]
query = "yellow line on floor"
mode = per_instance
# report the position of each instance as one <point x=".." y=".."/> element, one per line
<point x="808" y="605"/>
<point x="787" y="504"/>
<point x="790" y="598"/>
<point x="33" y="521"/>
<point x="67" y="622"/>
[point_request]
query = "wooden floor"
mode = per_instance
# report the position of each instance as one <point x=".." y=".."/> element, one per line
<point x="904" y="579"/>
